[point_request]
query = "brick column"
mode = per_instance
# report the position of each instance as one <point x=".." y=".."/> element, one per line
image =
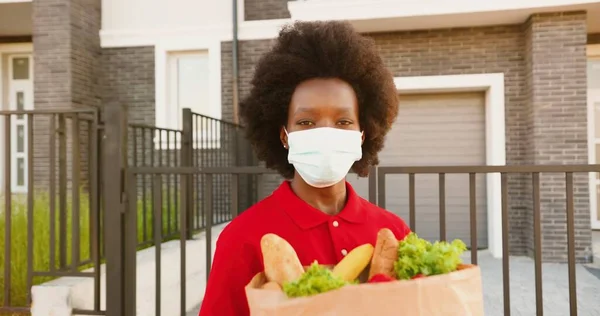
<point x="265" y="10"/>
<point x="557" y="123"/>
<point x="66" y="45"/>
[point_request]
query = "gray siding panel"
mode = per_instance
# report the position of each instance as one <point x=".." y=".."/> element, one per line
<point x="437" y="129"/>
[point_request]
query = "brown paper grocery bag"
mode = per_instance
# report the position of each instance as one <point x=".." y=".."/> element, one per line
<point x="455" y="294"/>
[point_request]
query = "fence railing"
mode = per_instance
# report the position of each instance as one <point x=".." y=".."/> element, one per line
<point x="181" y="181"/>
<point x="52" y="183"/>
<point x="50" y="201"/>
<point x="378" y="192"/>
<point x="501" y="173"/>
<point x="208" y="178"/>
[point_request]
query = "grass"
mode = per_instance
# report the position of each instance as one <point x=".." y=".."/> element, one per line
<point x="42" y="240"/>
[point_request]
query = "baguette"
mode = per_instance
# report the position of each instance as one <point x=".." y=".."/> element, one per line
<point x="280" y="260"/>
<point x="386" y="253"/>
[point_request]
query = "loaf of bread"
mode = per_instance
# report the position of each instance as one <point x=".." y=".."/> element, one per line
<point x="280" y="260"/>
<point x="385" y="254"/>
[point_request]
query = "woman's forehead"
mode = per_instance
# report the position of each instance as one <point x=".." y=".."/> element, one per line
<point x="318" y="94"/>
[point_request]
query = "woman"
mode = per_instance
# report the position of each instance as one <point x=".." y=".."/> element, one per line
<point x="321" y="104"/>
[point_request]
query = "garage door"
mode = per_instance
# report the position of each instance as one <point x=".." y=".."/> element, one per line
<point x="434" y="130"/>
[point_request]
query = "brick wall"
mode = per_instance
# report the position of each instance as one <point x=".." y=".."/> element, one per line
<point x="249" y="52"/>
<point x="128" y="77"/>
<point x="265" y="9"/>
<point x="531" y="112"/>
<point x="85" y="52"/>
<point x="66" y="49"/>
<point x="557" y="124"/>
<point x="436" y="52"/>
<point x="471" y="51"/>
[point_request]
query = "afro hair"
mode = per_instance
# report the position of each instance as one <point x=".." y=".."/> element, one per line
<point x="308" y="50"/>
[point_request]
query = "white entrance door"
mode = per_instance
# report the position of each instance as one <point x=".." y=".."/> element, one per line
<point x="20" y="97"/>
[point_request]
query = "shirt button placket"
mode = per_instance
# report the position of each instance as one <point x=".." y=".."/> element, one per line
<point x="336" y="224"/>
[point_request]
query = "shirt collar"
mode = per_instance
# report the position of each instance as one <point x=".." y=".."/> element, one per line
<point x="306" y="216"/>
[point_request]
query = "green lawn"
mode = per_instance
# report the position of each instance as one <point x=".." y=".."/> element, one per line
<point x="41" y="240"/>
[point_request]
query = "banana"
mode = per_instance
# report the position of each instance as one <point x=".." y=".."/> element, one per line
<point x="354" y="263"/>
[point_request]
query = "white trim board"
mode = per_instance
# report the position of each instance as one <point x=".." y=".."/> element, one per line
<point x="368" y="9"/>
<point x="593" y="182"/>
<point x="390" y="15"/>
<point x="12" y="48"/>
<point x="593" y="51"/>
<point x="247" y="30"/>
<point x="495" y="129"/>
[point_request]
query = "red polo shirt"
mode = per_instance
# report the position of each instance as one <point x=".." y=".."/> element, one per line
<point x="313" y="234"/>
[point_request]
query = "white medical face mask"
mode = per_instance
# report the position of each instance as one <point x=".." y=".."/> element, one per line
<point x="323" y="156"/>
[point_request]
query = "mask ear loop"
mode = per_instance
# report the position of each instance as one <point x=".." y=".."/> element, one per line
<point x="286" y="134"/>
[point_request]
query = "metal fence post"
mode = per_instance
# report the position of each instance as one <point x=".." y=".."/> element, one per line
<point x="120" y="287"/>
<point x="187" y="150"/>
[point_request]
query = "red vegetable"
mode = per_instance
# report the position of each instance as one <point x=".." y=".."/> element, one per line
<point x="377" y="278"/>
<point x="418" y="276"/>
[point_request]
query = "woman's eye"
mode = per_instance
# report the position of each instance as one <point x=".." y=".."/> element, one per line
<point x="306" y="123"/>
<point x="345" y="122"/>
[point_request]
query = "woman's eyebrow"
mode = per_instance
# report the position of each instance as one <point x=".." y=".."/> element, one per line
<point x="304" y="110"/>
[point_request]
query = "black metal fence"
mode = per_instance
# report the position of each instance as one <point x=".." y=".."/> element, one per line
<point x="54" y="188"/>
<point x="79" y="193"/>
<point x="50" y="201"/>
<point x="377" y="195"/>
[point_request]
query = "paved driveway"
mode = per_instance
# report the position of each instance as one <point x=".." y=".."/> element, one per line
<point x="522" y="287"/>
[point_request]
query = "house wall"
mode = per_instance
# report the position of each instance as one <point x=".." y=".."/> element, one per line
<point x="265" y="10"/>
<point x="535" y="132"/>
<point x="556" y="121"/>
<point x="249" y="52"/>
<point x="128" y="76"/>
<point x="437" y="52"/>
<point x="66" y="47"/>
<point x="71" y="71"/>
<point x="176" y="15"/>
<point x="470" y="51"/>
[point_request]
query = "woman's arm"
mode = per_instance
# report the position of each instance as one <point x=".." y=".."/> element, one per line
<point x="235" y="263"/>
<point x="399" y="227"/>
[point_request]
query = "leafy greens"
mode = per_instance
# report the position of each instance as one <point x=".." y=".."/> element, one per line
<point x="419" y="256"/>
<point x="317" y="279"/>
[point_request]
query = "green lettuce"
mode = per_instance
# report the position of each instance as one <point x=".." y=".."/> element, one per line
<point x="315" y="280"/>
<point x="418" y="256"/>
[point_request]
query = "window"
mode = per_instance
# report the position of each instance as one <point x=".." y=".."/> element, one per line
<point x="20" y="97"/>
<point x="20" y="68"/>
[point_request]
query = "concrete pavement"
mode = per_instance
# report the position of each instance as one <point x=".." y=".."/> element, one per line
<point x="194" y="311"/>
<point x="555" y="284"/>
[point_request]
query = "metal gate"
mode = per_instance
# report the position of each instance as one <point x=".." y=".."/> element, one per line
<point x="54" y="155"/>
